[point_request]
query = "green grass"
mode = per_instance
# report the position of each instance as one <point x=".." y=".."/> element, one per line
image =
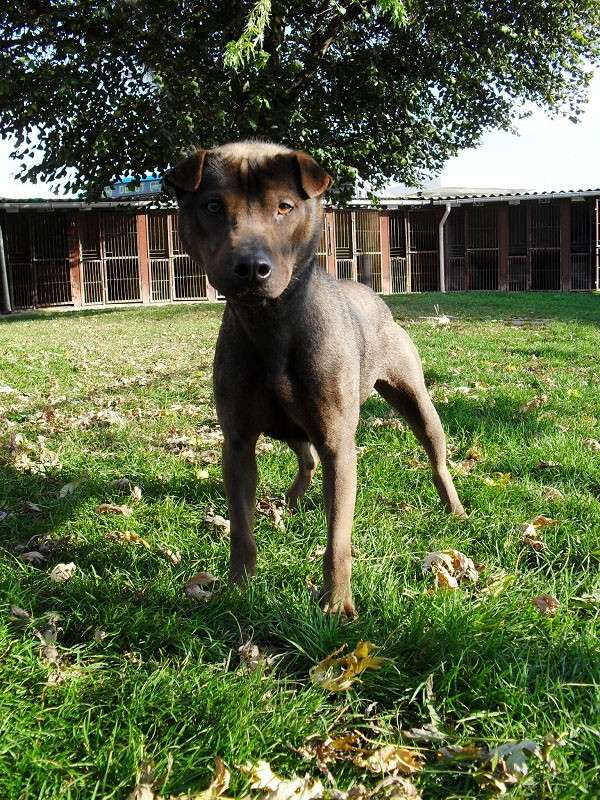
<point x="166" y="682"/>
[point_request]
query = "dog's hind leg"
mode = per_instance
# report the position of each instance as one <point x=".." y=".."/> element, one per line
<point x="404" y="388"/>
<point x="308" y="461"/>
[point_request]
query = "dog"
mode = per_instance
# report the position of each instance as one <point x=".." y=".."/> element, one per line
<point x="298" y="351"/>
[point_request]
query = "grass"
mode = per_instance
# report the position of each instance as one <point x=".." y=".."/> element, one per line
<point x="165" y="682"/>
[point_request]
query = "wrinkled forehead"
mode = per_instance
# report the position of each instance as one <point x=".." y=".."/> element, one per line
<point x="251" y="176"/>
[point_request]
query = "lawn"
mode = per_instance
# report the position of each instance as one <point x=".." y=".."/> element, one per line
<point x="118" y="666"/>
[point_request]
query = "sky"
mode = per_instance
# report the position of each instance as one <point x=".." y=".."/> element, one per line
<point x="545" y="154"/>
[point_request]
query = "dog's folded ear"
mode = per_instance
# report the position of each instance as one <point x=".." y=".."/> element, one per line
<point x="186" y="175"/>
<point x="313" y="178"/>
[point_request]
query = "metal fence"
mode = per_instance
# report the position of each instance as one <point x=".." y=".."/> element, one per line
<point x="110" y="257"/>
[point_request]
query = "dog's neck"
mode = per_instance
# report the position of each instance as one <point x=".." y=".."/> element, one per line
<point x="271" y="325"/>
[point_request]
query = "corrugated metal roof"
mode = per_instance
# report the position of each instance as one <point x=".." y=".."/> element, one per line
<point x="439" y="196"/>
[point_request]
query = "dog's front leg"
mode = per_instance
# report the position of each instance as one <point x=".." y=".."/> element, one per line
<point x="339" y="488"/>
<point x="239" y="477"/>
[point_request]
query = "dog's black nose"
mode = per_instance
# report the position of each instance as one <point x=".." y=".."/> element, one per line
<point x="253" y="270"/>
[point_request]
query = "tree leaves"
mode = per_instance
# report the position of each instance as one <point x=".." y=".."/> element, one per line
<point x="337" y="673"/>
<point x="341" y="79"/>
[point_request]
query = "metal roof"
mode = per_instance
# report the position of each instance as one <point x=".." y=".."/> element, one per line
<point x="440" y="196"/>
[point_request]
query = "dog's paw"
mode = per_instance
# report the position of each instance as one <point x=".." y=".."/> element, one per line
<point x="339" y="607"/>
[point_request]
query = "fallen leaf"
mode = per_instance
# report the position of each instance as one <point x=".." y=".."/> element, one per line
<point x="551" y="493"/>
<point x="531" y="537"/>
<point x="273" y="508"/>
<point x="202" y="474"/>
<point x="546" y="604"/>
<point x="99" y="635"/>
<point x="33" y="507"/>
<point x="69" y="488"/>
<point x="534" y="403"/>
<point x="193" y="586"/>
<point x="465" y="467"/>
<point x="449" y="567"/>
<point x="392" y="759"/>
<point x="541" y="521"/>
<point x="63" y="572"/>
<point x="112" y="508"/>
<point x="251" y="657"/>
<point x="272" y="787"/>
<point x="393" y="787"/>
<point x="19" y="615"/>
<point x="33" y="557"/>
<point x="129" y="537"/>
<point x="215" y="519"/>
<point x="144" y="788"/>
<point x="546" y="465"/>
<point x="174" y="556"/>
<point x="136" y="494"/>
<point x="500" y="479"/>
<point x="218" y="785"/>
<point x="587" y="601"/>
<point x="337" y="673"/>
<point x="592" y="444"/>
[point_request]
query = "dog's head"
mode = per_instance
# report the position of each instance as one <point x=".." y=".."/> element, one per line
<point x="251" y="214"/>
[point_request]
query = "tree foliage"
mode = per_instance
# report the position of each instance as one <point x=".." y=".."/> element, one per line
<point x="383" y="89"/>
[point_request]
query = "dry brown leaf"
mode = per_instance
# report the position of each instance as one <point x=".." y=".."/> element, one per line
<point x="337" y="673"/>
<point x="391" y="759"/>
<point x="217" y="788"/>
<point x="33" y="507"/>
<point x="216" y="520"/>
<point x="542" y="521"/>
<point x="592" y="444"/>
<point x="69" y="488"/>
<point x="251" y="657"/>
<point x="63" y="572"/>
<point x="19" y="615"/>
<point x="193" y="587"/>
<point x="552" y="493"/>
<point x="272" y="787"/>
<point x="500" y="479"/>
<point x="546" y="604"/>
<point x="144" y="789"/>
<point x="33" y="557"/>
<point x="449" y="568"/>
<point x="393" y="787"/>
<point x="129" y="537"/>
<point x="136" y="494"/>
<point x="174" y="556"/>
<point x="273" y="508"/>
<point x="531" y="537"/>
<point x="112" y="508"/>
<point x="534" y="403"/>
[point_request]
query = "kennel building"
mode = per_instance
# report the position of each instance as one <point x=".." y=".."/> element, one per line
<point x="111" y="252"/>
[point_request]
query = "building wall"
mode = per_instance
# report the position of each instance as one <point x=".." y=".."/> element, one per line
<point x="98" y="258"/>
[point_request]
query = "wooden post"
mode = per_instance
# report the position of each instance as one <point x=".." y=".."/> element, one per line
<point x="528" y="264"/>
<point x="75" y="275"/>
<point x="565" y="245"/>
<point x="143" y="257"/>
<point x="466" y="258"/>
<point x="407" y="245"/>
<point x="503" y="247"/>
<point x="384" y="238"/>
<point x="330" y="240"/>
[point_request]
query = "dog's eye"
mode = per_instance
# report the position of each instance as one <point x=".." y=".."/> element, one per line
<point x="214" y="206"/>
<point x="284" y="208"/>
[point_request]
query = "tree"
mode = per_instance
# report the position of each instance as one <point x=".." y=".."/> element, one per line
<point x="382" y="89"/>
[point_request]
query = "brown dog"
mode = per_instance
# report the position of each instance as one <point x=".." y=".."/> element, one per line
<point x="298" y="351"/>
